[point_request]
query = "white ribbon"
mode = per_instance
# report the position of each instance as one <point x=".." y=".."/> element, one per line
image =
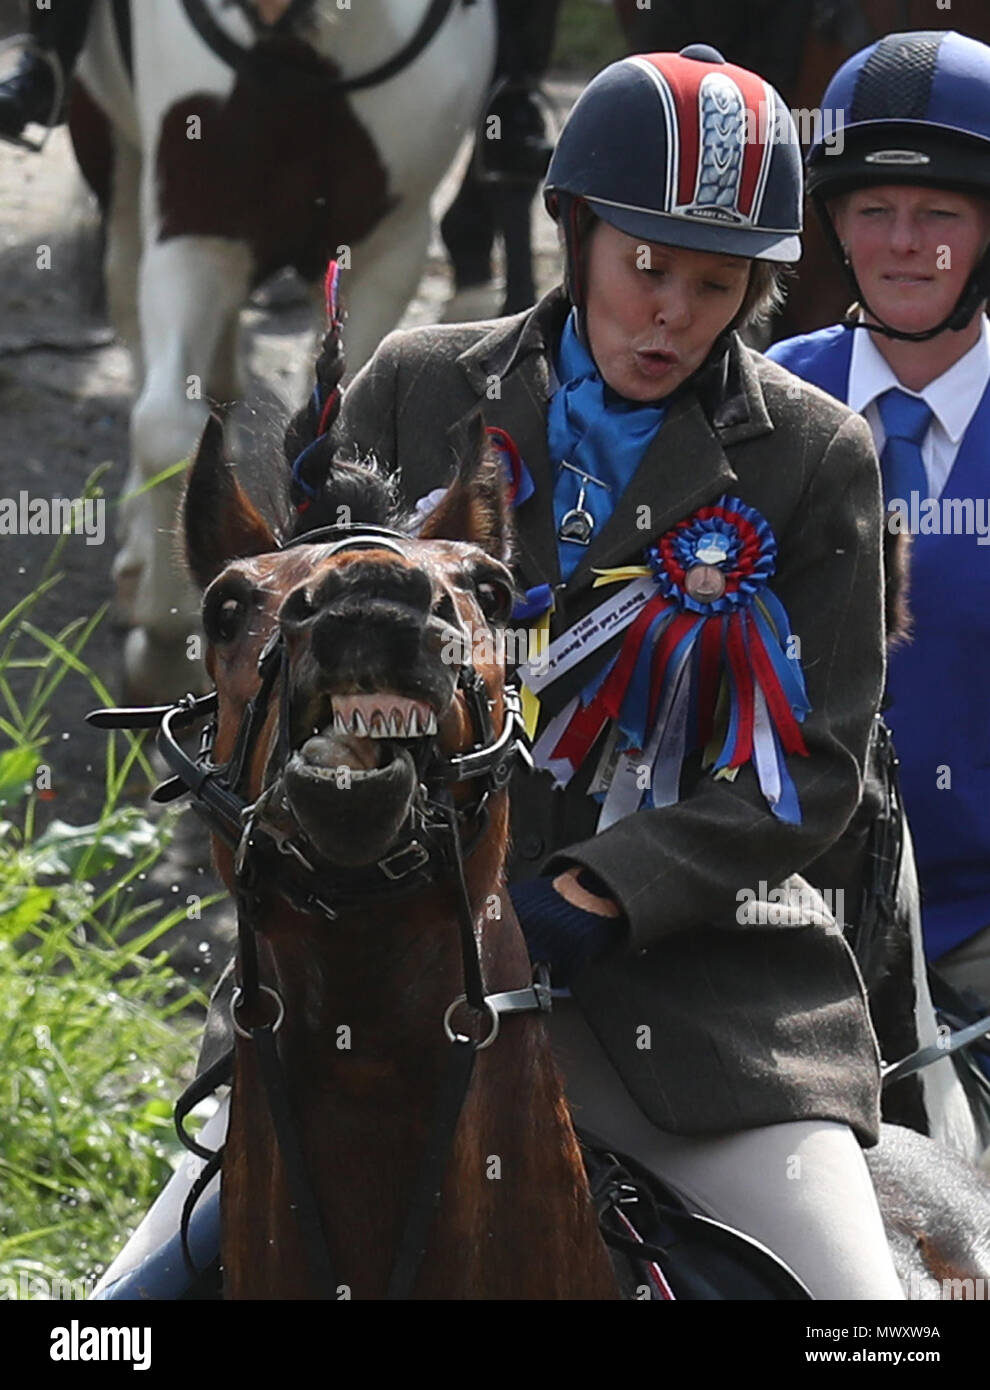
<point x="764" y="750"/>
<point x="587" y="635"/>
<point x="560" y="768"/>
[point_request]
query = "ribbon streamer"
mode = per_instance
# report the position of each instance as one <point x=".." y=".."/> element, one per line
<point x="705" y="665"/>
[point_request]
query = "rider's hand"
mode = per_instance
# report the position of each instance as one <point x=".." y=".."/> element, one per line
<point x="568" y="921"/>
<point x="585" y="894"/>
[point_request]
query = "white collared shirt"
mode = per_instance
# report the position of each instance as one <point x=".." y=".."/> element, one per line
<point x="952" y="397"/>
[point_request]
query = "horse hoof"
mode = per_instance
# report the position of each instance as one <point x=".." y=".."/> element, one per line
<point x="157" y="671"/>
<point x="467" y="306"/>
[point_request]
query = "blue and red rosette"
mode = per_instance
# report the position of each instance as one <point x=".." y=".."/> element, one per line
<point x="708" y="664"/>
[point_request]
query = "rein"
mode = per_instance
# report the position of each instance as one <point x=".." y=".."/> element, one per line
<point x="268" y="857"/>
<point x="244" y="59"/>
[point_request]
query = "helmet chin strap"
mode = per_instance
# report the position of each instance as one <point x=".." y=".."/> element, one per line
<point x="967" y="305"/>
<point x="975" y="291"/>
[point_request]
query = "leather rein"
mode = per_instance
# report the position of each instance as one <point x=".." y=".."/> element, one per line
<point x="436" y="838"/>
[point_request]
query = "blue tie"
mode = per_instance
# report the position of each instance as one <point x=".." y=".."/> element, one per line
<point x="905" y="420"/>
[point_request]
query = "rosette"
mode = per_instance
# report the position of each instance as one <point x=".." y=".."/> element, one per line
<point x="708" y="664"/>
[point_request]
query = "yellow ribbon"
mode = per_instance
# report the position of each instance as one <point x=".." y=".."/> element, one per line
<point x="619" y="572"/>
<point x="530" y="711"/>
<point x="530" y="701"/>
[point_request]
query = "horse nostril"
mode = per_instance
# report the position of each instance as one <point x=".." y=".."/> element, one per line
<point x="297" y="608"/>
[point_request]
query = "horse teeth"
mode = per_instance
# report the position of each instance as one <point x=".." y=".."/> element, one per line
<point x="404" y="718"/>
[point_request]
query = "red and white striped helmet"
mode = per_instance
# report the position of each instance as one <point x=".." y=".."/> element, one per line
<point x="683" y="149"/>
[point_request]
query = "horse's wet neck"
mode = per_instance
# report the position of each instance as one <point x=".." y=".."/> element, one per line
<point x="364" y="1053"/>
<point x="375" y="984"/>
<point x="385" y="972"/>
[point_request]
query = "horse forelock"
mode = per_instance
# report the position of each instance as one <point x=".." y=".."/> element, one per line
<point x="353" y="491"/>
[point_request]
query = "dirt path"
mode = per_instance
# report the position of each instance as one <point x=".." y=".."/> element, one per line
<point x="65" y="394"/>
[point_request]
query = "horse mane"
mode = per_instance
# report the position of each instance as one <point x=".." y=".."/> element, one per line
<point x="320" y="487"/>
<point x="352" y="490"/>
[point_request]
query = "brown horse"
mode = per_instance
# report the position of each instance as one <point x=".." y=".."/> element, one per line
<point x="343" y="686"/>
<point x="368" y="692"/>
<point x="797" y="45"/>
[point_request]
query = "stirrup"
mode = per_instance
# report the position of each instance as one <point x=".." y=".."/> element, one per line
<point x="27" y="44"/>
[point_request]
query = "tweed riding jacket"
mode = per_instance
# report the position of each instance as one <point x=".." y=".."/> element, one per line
<point x="713" y="1025"/>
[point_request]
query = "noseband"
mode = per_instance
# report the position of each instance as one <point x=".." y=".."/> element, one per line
<point x="421" y="852"/>
<point x="433" y="843"/>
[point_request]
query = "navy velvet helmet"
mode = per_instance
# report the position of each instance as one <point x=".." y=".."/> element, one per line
<point x="683" y="149"/>
<point x="914" y="108"/>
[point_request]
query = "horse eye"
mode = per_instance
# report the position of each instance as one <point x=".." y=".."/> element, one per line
<point x="495" y="600"/>
<point x="223" y="619"/>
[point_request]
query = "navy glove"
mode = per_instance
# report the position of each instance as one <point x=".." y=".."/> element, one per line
<point x="564" y="936"/>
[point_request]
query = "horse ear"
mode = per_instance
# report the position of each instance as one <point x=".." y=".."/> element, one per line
<point x="220" y="521"/>
<point x="475" y="507"/>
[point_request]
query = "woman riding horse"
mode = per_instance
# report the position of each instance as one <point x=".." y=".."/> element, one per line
<point x="702" y="549"/>
<point x="906" y="207"/>
<point x="722" y="1053"/>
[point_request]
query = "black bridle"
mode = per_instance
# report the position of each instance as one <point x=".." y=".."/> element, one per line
<point x="432" y="846"/>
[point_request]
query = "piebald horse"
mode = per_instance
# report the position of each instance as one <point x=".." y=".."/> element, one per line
<point x="229" y="141"/>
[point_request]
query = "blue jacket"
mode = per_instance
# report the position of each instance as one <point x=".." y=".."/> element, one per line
<point x="939" y="683"/>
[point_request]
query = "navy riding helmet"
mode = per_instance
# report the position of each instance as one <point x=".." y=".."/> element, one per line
<point x="914" y="109"/>
<point x="683" y="149"/>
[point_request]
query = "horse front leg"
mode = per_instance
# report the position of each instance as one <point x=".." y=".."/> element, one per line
<point x="121" y="261"/>
<point x="189" y="293"/>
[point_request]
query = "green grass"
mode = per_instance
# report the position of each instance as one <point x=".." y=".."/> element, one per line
<point x="97" y="1032"/>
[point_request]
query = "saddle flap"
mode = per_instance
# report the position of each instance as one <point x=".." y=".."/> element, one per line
<point x="662" y="1250"/>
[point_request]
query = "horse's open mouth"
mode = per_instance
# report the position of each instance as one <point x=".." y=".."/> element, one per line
<point x="355" y="731"/>
<point x="351" y="778"/>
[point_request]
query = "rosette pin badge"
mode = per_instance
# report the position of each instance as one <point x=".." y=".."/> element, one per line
<point x="704" y="579"/>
